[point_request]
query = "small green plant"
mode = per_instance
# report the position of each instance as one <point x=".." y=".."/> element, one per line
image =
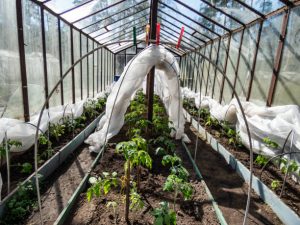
<point x="79" y="122"/>
<point x="163" y="215"/>
<point x="261" y="160"/>
<point x="56" y="131"/>
<point x="26" y="168"/>
<point x="268" y="142"/>
<point x="172" y="160"/>
<point x="102" y="185"/>
<point x="288" y="167"/>
<point x="211" y="122"/>
<point x="165" y="142"/>
<point x="114" y="206"/>
<point x="176" y="166"/>
<point x="275" y="184"/>
<point x="10" y="144"/>
<point x="176" y="184"/>
<point x="89" y="109"/>
<point x="136" y="202"/>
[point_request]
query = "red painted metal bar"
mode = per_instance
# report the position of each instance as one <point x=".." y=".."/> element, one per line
<point x="236" y="71"/>
<point x="278" y="58"/>
<point x="180" y="37"/>
<point x="157" y="33"/>
<point x="254" y="61"/>
<point x="22" y="60"/>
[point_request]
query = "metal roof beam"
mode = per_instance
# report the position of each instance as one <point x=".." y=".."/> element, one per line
<point x="250" y="8"/>
<point x="287" y="2"/>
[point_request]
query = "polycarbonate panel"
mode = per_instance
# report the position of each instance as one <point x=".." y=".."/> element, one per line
<point x="87" y="9"/>
<point x="212" y="68"/>
<point x="193" y="16"/>
<point x="33" y="56"/>
<point x="91" y="69"/>
<point x="112" y="14"/>
<point x="287" y="89"/>
<point x="84" y="67"/>
<point x="265" y="59"/>
<point x="120" y="64"/>
<point x="99" y="71"/>
<point x="77" y="69"/>
<point x="221" y="65"/>
<point x="95" y="69"/>
<point x="52" y="50"/>
<point x="59" y="6"/>
<point x="11" y="101"/>
<point x="246" y="61"/>
<point x="231" y="66"/>
<point x="211" y="13"/>
<point x="66" y="61"/>
<point x="103" y="65"/>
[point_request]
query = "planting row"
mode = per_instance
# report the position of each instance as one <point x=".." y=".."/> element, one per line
<point x="142" y="177"/>
<point x="278" y="178"/>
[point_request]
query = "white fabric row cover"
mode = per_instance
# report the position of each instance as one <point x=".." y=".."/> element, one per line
<point x="273" y="122"/>
<point x="129" y="82"/>
<point x="25" y="132"/>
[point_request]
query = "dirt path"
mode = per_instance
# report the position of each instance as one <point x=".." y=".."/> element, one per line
<point x="61" y="185"/>
<point x="227" y="187"/>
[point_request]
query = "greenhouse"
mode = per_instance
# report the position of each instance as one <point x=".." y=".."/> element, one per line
<point x="158" y="112"/>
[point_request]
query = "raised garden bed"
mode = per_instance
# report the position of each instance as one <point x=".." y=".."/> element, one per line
<point x="238" y="158"/>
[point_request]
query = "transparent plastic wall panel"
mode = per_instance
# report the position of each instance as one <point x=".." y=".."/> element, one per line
<point x="103" y="65"/>
<point x="212" y="13"/>
<point x="52" y="50"/>
<point x="84" y="67"/>
<point x="10" y="77"/>
<point x="33" y="55"/>
<point x="237" y="10"/>
<point x="77" y="69"/>
<point x="231" y="66"/>
<point x="112" y="14"/>
<point x="265" y="59"/>
<point x="196" y="72"/>
<point x="221" y="64"/>
<point x="66" y="61"/>
<point x="59" y="6"/>
<point x="87" y="9"/>
<point x="246" y="61"/>
<point x="211" y="75"/>
<point x="95" y="69"/>
<point x="90" y="69"/>
<point x="287" y="89"/>
<point x="193" y="16"/>
<point x="99" y="71"/>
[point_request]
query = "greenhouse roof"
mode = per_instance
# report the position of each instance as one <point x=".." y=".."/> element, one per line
<point x="204" y="20"/>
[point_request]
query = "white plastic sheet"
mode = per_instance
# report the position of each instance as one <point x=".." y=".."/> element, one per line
<point x="273" y="122"/>
<point x="125" y="88"/>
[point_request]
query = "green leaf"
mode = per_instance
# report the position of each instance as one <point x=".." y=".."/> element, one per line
<point x="158" y="221"/>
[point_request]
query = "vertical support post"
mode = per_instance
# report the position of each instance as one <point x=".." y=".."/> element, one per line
<point x="225" y="69"/>
<point x="101" y="74"/>
<point x="22" y="59"/>
<point x="203" y="63"/>
<point x="236" y="71"/>
<point x="278" y="59"/>
<point x="44" y="55"/>
<point x="60" y="61"/>
<point x="115" y="64"/>
<point x="72" y="62"/>
<point x="254" y="61"/>
<point x="150" y="76"/>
